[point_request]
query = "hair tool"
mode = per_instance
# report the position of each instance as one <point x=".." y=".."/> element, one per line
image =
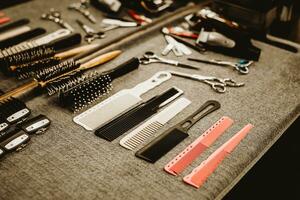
<point x="38" y="52"/>
<point x="60" y="75"/>
<point x="136" y="115"/>
<point x="118" y="103"/>
<point x="165" y="142"/>
<point x="88" y="88"/>
<point x="14" y="24"/>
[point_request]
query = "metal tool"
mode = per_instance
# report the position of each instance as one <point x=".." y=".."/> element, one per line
<point x="55" y="16"/>
<point x="91" y="34"/>
<point x="110" y="24"/>
<point x="218" y="84"/>
<point x="178" y="48"/>
<point x="82" y="7"/>
<point x="150" y="57"/>
<point x="242" y="66"/>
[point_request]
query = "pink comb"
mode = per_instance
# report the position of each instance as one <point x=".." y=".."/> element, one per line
<point x="207" y="167"/>
<point x="189" y="154"/>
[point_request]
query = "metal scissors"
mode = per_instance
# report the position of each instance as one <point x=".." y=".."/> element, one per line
<point x="150" y="57"/>
<point x="217" y="84"/>
<point x="91" y="34"/>
<point x="242" y="66"/>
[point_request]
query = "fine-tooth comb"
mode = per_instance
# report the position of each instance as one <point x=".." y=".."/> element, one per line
<point x="119" y="103"/>
<point x="37" y="53"/>
<point x="150" y="127"/>
<point x="85" y="89"/>
<point x="133" y="117"/>
<point x="35" y="68"/>
<point x="165" y="142"/>
<point x="62" y="74"/>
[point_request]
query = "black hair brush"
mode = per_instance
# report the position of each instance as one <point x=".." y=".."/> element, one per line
<point x="30" y="70"/>
<point x="86" y="89"/>
<point x="9" y="58"/>
<point x="61" y="73"/>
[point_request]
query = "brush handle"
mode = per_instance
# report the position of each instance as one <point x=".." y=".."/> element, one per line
<point x="100" y="60"/>
<point x="124" y="68"/>
<point x="20" y="90"/>
<point x="75" y="51"/>
<point x="65" y="42"/>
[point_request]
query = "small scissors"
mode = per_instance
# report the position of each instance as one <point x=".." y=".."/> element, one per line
<point x="150" y="57"/>
<point x="217" y="84"/>
<point x="91" y="34"/>
<point x="242" y="66"/>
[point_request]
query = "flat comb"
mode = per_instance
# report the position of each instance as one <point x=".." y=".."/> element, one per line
<point x="133" y="117"/>
<point x="146" y="130"/>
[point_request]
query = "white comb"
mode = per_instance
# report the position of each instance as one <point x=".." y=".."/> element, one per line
<point x="140" y="134"/>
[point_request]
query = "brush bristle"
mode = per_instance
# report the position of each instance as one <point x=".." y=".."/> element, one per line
<point x="90" y="88"/>
<point x="32" y="69"/>
<point x="30" y="55"/>
<point x="56" y="70"/>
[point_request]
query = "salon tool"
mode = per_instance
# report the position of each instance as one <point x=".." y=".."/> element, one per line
<point x="2" y="152"/>
<point x="14" y="32"/>
<point x="119" y="103"/>
<point x="10" y="132"/>
<point x="156" y="6"/>
<point x="178" y="31"/>
<point x="213" y="38"/>
<point x="192" y="151"/>
<point x="149" y="57"/>
<point x="88" y="88"/>
<point x="161" y="145"/>
<point x="17" y="142"/>
<point x="14" y="24"/>
<point x="111" y="24"/>
<point x="51" y="37"/>
<point x="4" y="20"/>
<point x="61" y="74"/>
<point x="32" y="69"/>
<point x="55" y="16"/>
<point x="242" y="66"/>
<point x="150" y="127"/>
<point x="14" y="110"/>
<point x="136" y="115"/>
<point x="3" y="124"/>
<point x="20" y="35"/>
<point x="38" y="52"/>
<point x="36" y="125"/>
<point x="91" y="34"/>
<point x="82" y="8"/>
<point x="113" y="6"/>
<point x="199" y="175"/>
<point x="141" y="19"/>
<point x="178" y="48"/>
<point x="217" y="84"/>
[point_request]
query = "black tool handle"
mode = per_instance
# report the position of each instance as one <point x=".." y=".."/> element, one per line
<point x="65" y="42"/>
<point x="14" y="24"/>
<point x="124" y="68"/>
<point x="208" y="107"/>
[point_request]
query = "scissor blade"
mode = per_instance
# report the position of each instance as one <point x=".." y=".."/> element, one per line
<point x="119" y="23"/>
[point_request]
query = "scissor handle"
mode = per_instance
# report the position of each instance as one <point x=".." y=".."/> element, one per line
<point x="232" y="83"/>
<point x="218" y="87"/>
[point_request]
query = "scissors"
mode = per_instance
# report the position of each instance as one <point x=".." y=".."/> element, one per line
<point x="217" y="84"/>
<point x="242" y="66"/>
<point x="150" y="57"/>
<point x="91" y="34"/>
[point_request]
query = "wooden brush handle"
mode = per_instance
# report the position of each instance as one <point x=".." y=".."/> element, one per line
<point x="20" y="90"/>
<point x="88" y="65"/>
<point x="75" y="51"/>
<point x="100" y="60"/>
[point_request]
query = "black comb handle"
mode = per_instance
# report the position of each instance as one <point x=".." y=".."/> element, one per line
<point x="161" y="145"/>
<point x="133" y="117"/>
<point x="66" y="42"/>
<point x="124" y="68"/>
<point x="14" y="24"/>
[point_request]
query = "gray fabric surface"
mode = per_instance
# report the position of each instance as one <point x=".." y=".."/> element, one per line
<point x="69" y="163"/>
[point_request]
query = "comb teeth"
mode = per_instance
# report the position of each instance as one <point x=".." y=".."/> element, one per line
<point x="85" y="91"/>
<point x="32" y="69"/>
<point x="134" y="140"/>
<point x="30" y="55"/>
<point x="57" y="70"/>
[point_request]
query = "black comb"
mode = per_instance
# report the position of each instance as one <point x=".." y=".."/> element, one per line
<point x="14" y="24"/>
<point x="130" y="119"/>
<point x="83" y="90"/>
<point x="161" y="145"/>
<point x="14" y="110"/>
<point x="9" y="58"/>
